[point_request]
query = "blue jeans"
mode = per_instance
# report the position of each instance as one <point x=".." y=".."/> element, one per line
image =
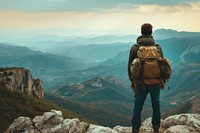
<point x="139" y="102"/>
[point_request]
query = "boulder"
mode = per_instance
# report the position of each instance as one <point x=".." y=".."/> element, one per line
<point x="74" y="126"/>
<point x="121" y="129"/>
<point x="50" y="121"/>
<point x="178" y="129"/>
<point x="99" y="129"/>
<point x="19" y="125"/>
<point x="190" y="122"/>
<point x="53" y="122"/>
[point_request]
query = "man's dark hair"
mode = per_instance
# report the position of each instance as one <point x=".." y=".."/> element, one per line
<point x="146" y="29"/>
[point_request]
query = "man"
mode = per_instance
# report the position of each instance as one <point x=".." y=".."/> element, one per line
<point x="140" y="93"/>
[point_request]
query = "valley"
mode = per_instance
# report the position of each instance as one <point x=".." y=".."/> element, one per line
<point x="89" y="75"/>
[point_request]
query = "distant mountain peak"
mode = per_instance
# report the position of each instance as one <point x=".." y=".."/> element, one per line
<point x="166" y="30"/>
<point x="161" y="34"/>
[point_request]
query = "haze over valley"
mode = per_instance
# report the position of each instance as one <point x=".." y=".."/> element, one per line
<point x="91" y="72"/>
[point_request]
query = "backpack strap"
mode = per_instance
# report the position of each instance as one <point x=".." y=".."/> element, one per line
<point x="142" y="75"/>
<point x="141" y="72"/>
<point x="137" y="46"/>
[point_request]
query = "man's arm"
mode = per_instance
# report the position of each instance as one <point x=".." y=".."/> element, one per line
<point x="132" y="56"/>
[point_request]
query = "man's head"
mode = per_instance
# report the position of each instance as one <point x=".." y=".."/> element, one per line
<point x="146" y="29"/>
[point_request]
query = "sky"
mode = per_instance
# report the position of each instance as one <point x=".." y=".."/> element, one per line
<point x="98" y="16"/>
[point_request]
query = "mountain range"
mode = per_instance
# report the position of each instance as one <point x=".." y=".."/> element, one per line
<point x="69" y="72"/>
<point x="92" y="52"/>
<point x="46" y="66"/>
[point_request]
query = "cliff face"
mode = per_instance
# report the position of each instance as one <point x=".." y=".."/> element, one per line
<point x="53" y="122"/>
<point x="21" y="79"/>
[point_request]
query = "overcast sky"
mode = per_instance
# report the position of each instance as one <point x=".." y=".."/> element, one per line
<point x="100" y="16"/>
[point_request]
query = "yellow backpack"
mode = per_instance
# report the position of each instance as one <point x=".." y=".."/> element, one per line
<point x="150" y="68"/>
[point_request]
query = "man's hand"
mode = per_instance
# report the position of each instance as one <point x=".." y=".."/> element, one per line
<point x="132" y="86"/>
<point x="134" y="89"/>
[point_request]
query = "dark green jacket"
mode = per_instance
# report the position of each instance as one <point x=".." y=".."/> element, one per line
<point x="141" y="41"/>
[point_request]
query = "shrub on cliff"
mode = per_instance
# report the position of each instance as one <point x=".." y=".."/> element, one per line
<point x="14" y="104"/>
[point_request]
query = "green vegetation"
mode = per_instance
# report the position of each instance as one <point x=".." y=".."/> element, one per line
<point x="14" y="104"/>
<point x="108" y="92"/>
<point x="102" y="112"/>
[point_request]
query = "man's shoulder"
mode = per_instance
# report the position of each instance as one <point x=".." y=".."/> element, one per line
<point x="136" y="45"/>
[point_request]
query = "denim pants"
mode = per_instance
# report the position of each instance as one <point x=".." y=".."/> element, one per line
<point x="139" y="102"/>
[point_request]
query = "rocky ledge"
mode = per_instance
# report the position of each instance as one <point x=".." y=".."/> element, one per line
<point x="21" y="79"/>
<point x="53" y="122"/>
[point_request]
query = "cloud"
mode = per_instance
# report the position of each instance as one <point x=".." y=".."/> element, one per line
<point x="81" y="5"/>
<point x="163" y="2"/>
<point x="124" y="18"/>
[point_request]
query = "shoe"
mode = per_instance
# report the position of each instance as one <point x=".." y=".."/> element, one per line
<point x="135" y="131"/>
<point x="156" y="128"/>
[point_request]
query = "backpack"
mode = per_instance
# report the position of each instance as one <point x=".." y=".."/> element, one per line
<point x="149" y="68"/>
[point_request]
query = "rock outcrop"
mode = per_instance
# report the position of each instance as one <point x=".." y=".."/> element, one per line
<point x="21" y="79"/>
<point x="95" y="82"/>
<point x="53" y="122"/>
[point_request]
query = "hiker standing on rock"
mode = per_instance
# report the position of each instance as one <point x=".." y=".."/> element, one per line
<point x="145" y="76"/>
